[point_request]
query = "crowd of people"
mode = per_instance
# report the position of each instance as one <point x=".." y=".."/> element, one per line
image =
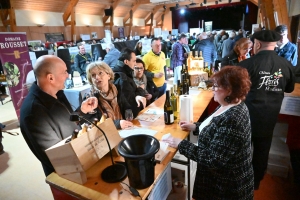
<point x="249" y="88"/>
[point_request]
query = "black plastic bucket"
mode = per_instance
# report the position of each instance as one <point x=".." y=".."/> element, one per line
<point x="139" y="151"/>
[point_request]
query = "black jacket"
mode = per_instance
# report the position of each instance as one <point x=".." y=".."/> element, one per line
<point x="127" y="89"/>
<point x="152" y="89"/>
<point x="271" y="76"/>
<point x="45" y="121"/>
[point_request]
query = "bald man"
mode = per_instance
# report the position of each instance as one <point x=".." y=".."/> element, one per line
<point x="45" y="111"/>
<point x="271" y="76"/>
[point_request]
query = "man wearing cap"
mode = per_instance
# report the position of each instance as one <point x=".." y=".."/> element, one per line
<point x="285" y="48"/>
<point x="271" y="76"/>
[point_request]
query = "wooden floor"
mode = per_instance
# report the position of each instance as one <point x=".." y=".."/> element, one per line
<point x="276" y="188"/>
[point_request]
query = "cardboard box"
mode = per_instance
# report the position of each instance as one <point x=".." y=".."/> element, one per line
<point x="71" y="160"/>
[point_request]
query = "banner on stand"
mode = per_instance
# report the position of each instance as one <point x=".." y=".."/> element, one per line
<point x="17" y="66"/>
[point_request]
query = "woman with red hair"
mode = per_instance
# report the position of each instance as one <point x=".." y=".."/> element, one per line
<point x="223" y="153"/>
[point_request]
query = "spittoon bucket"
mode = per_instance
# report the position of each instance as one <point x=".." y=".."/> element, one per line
<point x="139" y="151"/>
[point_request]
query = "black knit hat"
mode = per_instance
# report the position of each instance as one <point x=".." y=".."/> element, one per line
<point x="266" y="36"/>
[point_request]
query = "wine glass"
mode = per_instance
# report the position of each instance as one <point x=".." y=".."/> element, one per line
<point x="92" y="94"/>
<point x="128" y="115"/>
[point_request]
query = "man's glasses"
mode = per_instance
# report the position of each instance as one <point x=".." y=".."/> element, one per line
<point x="138" y="68"/>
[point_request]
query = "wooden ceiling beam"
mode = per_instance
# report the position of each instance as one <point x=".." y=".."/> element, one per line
<point x="133" y="9"/>
<point x="72" y="4"/>
<point x="8" y="18"/>
<point x="155" y="9"/>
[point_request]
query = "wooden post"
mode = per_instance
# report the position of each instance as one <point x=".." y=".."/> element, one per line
<point x="151" y="24"/>
<point x="281" y="8"/>
<point x="269" y="9"/>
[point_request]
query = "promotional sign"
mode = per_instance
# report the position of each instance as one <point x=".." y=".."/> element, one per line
<point x="208" y="26"/>
<point x="17" y="66"/>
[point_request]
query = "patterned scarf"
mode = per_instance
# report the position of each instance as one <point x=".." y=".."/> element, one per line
<point x="109" y="104"/>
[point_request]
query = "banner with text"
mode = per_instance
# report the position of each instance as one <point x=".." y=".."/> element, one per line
<point x="17" y="66"/>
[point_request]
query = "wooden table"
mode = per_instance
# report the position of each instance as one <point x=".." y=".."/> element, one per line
<point x="96" y="188"/>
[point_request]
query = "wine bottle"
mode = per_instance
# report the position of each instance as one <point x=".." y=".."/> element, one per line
<point x="168" y="111"/>
<point x="179" y="88"/>
<point x="201" y="61"/>
<point x="189" y="61"/>
<point x="173" y="100"/>
<point x="185" y="85"/>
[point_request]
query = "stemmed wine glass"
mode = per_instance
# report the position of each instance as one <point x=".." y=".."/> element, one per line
<point x="128" y="115"/>
<point x="92" y="94"/>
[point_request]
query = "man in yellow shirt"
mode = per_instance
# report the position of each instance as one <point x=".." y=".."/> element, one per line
<point x="155" y="62"/>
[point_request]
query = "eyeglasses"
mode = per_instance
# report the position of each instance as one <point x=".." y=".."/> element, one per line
<point x="215" y="87"/>
<point x="247" y="49"/>
<point x="138" y="68"/>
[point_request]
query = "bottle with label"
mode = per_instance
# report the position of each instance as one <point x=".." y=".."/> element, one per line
<point x="189" y="61"/>
<point x="184" y="72"/>
<point x="201" y="61"/>
<point x="173" y="100"/>
<point x="206" y="68"/>
<point x="168" y="110"/>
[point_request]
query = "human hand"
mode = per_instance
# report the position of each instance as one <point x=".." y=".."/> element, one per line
<point x="158" y="75"/>
<point x="172" y="141"/>
<point x="187" y="126"/>
<point x="140" y="99"/>
<point x="125" y="124"/>
<point x="89" y="104"/>
<point x="148" y="96"/>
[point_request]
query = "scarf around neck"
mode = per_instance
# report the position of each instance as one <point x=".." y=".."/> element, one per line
<point x="109" y="104"/>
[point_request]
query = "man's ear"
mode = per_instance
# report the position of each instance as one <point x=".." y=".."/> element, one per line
<point x="125" y="62"/>
<point x="50" y="77"/>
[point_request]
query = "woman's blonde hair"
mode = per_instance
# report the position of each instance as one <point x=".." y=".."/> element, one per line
<point x="101" y="66"/>
<point x="241" y="42"/>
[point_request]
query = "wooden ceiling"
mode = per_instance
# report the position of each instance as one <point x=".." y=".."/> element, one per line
<point x="96" y="7"/>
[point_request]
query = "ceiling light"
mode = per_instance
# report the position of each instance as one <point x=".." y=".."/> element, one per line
<point x="204" y="1"/>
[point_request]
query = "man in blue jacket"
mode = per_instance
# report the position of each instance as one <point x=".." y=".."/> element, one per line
<point x="112" y="55"/>
<point x="285" y="48"/>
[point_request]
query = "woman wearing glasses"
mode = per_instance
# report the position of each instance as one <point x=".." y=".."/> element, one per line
<point x="100" y="77"/>
<point x="140" y="79"/>
<point x="223" y="153"/>
<point x="239" y="53"/>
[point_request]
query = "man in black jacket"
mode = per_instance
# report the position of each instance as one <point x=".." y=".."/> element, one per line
<point x="129" y="95"/>
<point x="271" y="76"/>
<point x="45" y="112"/>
